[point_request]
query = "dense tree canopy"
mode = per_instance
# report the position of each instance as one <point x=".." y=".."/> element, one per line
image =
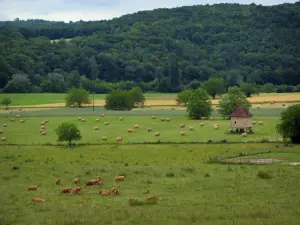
<point x="159" y="50"/>
<point x="199" y="104"/>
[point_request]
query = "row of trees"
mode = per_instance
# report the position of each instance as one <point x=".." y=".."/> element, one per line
<point x="163" y="50"/>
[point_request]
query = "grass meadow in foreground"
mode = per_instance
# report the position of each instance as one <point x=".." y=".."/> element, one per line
<point x="28" y="133"/>
<point x="189" y="190"/>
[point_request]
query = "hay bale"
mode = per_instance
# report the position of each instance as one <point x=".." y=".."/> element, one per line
<point x="82" y="120"/>
<point x="211" y="118"/>
<point x="191" y="128"/>
<point x="1" y="131"/>
<point x="153" y="117"/>
<point x="12" y="119"/>
<point x="182" y="125"/>
<point x="149" y="129"/>
<point x="244" y="134"/>
<point x="168" y="119"/>
<point x="271" y="103"/>
<point x="42" y="128"/>
<point x="157" y="134"/>
<point x="4" y="125"/>
<point x="3" y="138"/>
<point x="102" y="115"/>
<point x="129" y="130"/>
<point x="44" y="133"/>
<point x="104" y="138"/>
<point x="22" y="121"/>
<point x="121" y="118"/>
<point x="119" y="139"/>
<point x="260" y="122"/>
<point x="97" y="120"/>
<point x="96" y="128"/>
<point x="42" y="123"/>
<point x="201" y="124"/>
<point x="18" y="116"/>
<point x="216" y="126"/>
<point x="182" y="133"/>
<point x="136" y="126"/>
<point x="46" y="121"/>
<point x="106" y="123"/>
<point x="254" y="122"/>
<point x="79" y="118"/>
<point x="162" y="119"/>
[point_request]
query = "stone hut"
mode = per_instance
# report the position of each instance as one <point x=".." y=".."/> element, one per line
<point x="241" y="119"/>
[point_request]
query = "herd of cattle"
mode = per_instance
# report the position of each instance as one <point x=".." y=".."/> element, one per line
<point x="78" y="189"/>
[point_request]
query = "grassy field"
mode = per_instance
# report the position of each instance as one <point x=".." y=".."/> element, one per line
<point x="189" y="190"/>
<point x="152" y="99"/>
<point x="28" y="132"/>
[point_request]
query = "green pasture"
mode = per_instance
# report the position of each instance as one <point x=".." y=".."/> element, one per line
<point x="189" y="190"/>
<point x="28" y="132"/>
<point x="23" y="99"/>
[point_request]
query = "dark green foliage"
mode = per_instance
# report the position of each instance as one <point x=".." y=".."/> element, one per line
<point x="183" y="97"/>
<point x="230" y="101"/>
<point x="267" y="88"/>
<point x="214" y="86"/>
<point x="18" y="83"/>
<point x="264" y="175"/>
<point x="290" y="124"/>
<point x="119" y="100"/>
<point x="165" y="48"/>
<point x="5" y="101"/>
<point x="76" y="97"/>
<point x="68" y="132"/>
<point x="199" y="104"/>
<point x="248" y="89"/>
<point x="137" y="96"/>
<point x="170" y="174"/>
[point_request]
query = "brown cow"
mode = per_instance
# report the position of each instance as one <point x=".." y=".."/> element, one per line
<point x="119" y="178"/>
<point x="57" y="182"/>
<point x="98" y="178"/>
<point x="66" y="190"/>
<point x="77" y="190"/>
<point x="32" y="188"/>
<point x="105" y="193"/>
<point x="116" y="191"/>
<point x="38" y="200"/>
<point x="76" y="181"/>
<point x="152" y="198"/>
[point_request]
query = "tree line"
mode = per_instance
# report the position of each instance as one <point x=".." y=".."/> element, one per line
<point x="162" y="50"/>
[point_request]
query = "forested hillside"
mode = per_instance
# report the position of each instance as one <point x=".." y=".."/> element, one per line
<point x="160" y="50"/>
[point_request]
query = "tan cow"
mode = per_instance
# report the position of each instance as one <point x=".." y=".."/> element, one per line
<point x="119" y="178"/>
<point x="76" y="181"/>
<point x="66" y="190"/>
<point x="38" y="200"/>
<point x="32" y="188"/>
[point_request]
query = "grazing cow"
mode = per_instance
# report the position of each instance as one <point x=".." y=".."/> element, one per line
<point x="38" y="200"/>
<point x="94" y="182"/>
<point x="152" y="198"/>
<point x="105" y="193"/>
<point x="66" y="190"/>
<point x="98" y="178"/>
<point x="32" y="188"/>
<point x="76" y="181"/>
<point x="77" y="190"/>
<point x="57" y="182"/>
<point x="116" y="191"/>
<point x="119" y="178"/>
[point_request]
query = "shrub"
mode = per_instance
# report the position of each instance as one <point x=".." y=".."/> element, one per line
<point x="183" y="97"/>
<point x="264" y="175"/>
<point x="290" y="124"/>
<point x="170" y="174"/>
<point x="199" y="104"/>
<point x="119" y="100"/>
<point x="6" y="101"/>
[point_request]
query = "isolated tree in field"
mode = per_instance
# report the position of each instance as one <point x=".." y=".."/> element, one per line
<point x="137" y="95"/>
<point x="77" y="97"/>
<point x="248" y="89"/>
<point x="183" y="97"/>
<point x="199" y="104"/>
<point x="68" y="132"/>
<point x="119" y="100"/>
<point x="290" y="124"/>
<point x="214" y="86"/>
<point x="6" y="101"/>
<point x="231" y="100"/>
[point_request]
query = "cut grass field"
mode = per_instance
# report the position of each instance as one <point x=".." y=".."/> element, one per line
<point x="189" y="190"/>
<point x="152" y="99"/>
<point x="28" y="132"/>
